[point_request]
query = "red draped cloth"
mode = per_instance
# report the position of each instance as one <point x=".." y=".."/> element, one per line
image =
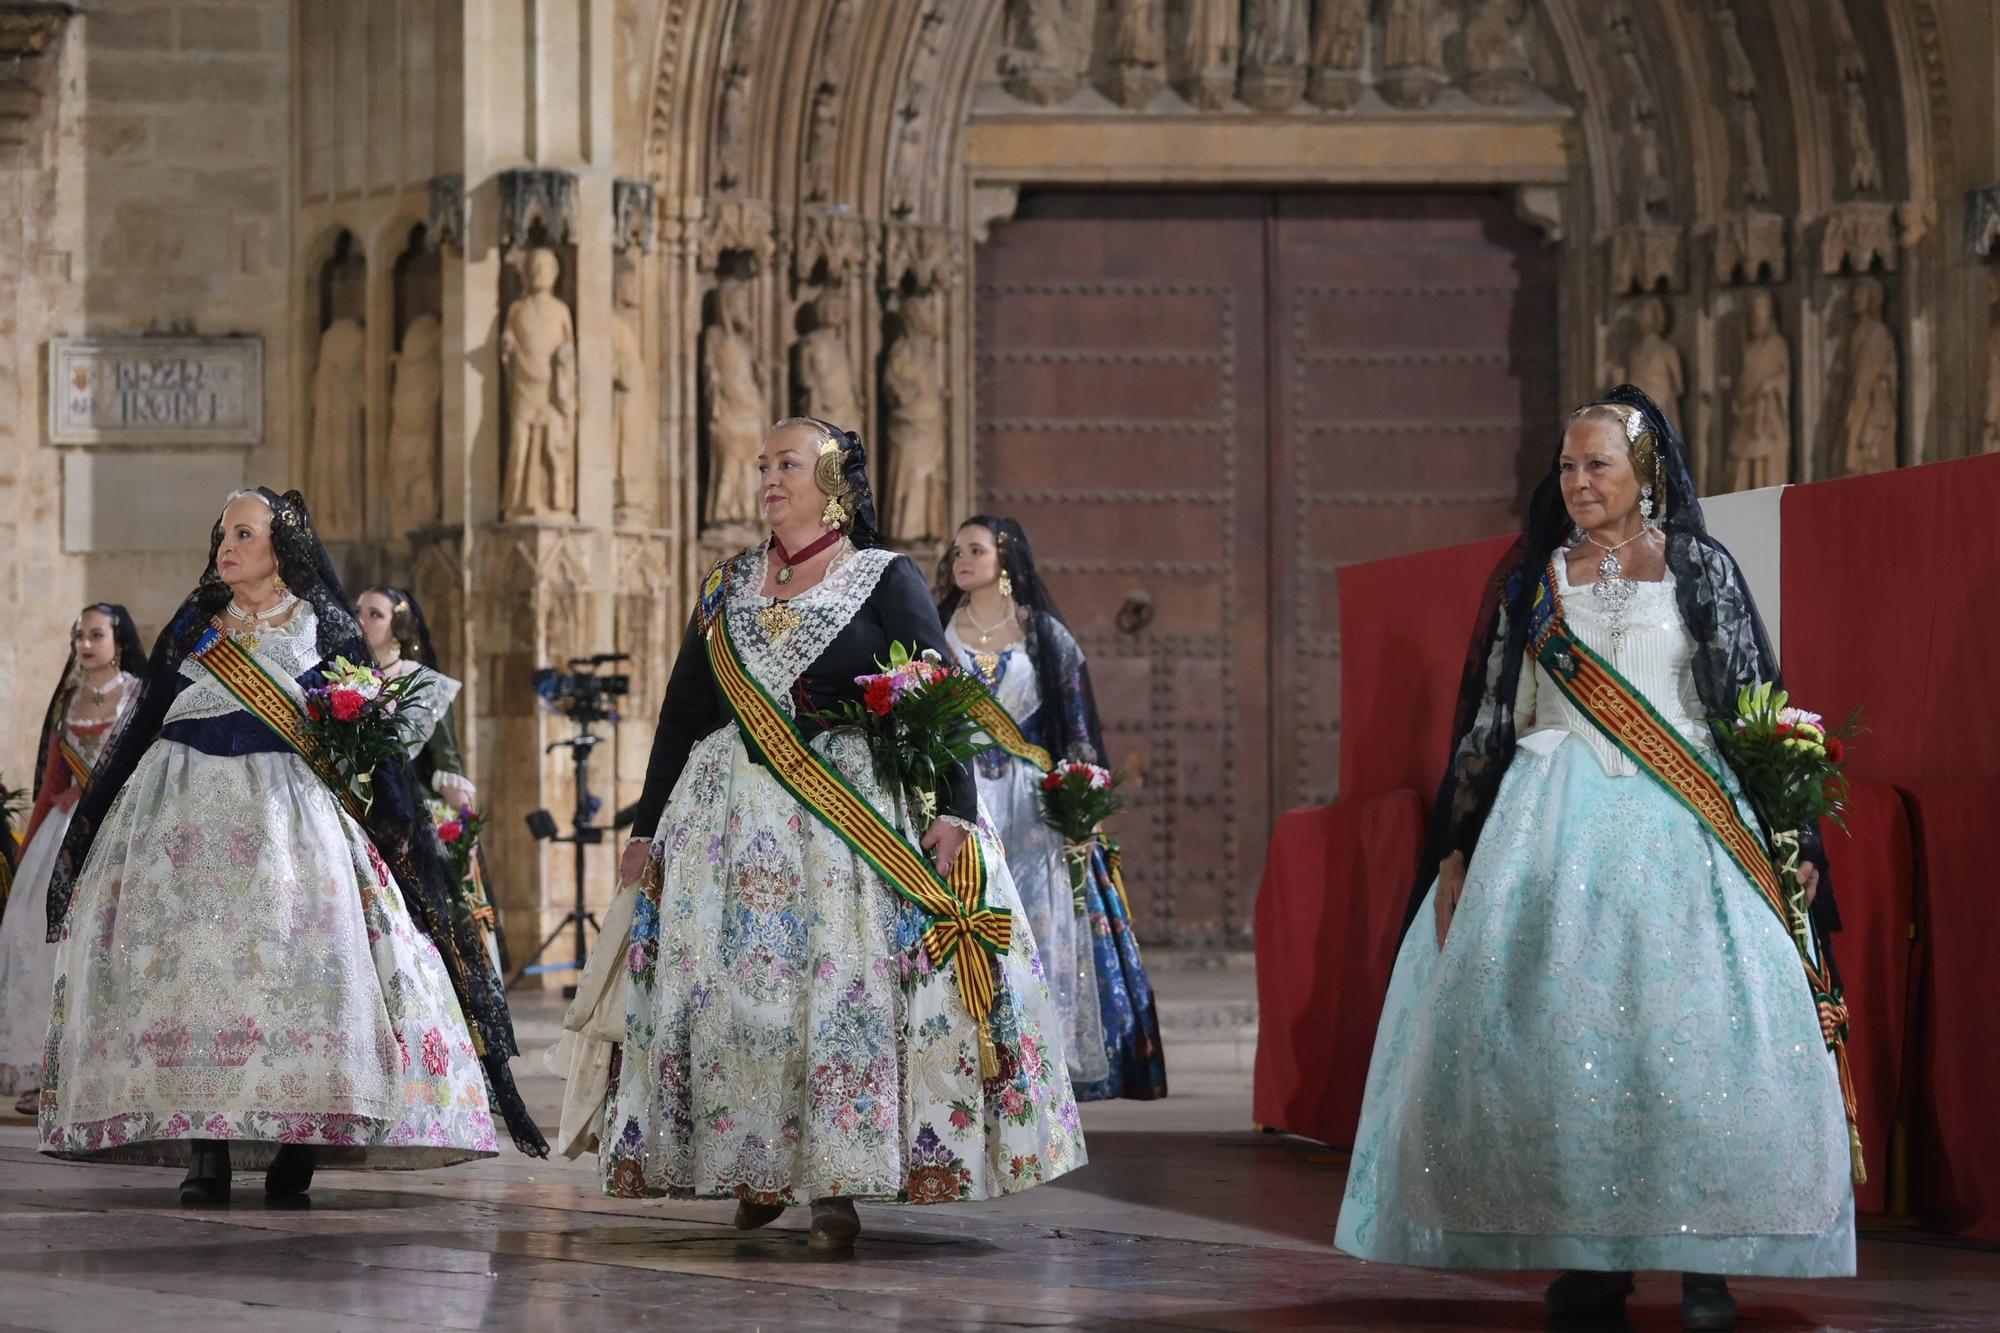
<point x="1329" y="917"/>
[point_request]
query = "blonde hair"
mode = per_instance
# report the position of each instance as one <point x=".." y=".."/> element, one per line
<point x="1640" y="441"/>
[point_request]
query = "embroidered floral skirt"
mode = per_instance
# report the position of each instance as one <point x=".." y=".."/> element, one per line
<point x="239" y="964"/>
<point x="28" y="960"/>
<point x="787" y="1040"/>
<point x="1110" y="1027"/>
<point x="1614" y="1063"/>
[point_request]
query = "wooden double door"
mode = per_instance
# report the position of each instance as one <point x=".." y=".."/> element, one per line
<point x="1200" y="406"/>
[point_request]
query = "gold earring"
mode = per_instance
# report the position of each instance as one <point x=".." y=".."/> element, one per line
<point x="1006" y="585"/>
<point x="282" y="585"/>
<point x="835" y="513"/>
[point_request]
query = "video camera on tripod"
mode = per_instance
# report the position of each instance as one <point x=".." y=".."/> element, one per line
<point x="583" y="694"/>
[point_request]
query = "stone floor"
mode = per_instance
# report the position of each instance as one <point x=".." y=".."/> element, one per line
<point x="1184" y="1219"/>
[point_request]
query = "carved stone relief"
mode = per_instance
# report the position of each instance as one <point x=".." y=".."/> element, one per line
<point x="1413" y="41"/>
<point x="415" y="448"/>
<point x="1647" y="257"/>
<point x="635" y="443"/>
<point x="1497" y="69"/>
<point x="1339" y="53"/>
<point x="913" y="403"/>
<point x="1277" y="39"/>
<point x="1864" y="168"/>
<point x="337" y="441"/>
<point x="1750" y="247"/>
<point x="1207" y="43"/>
<point x="733" y="407"/>
<point x="538" y="206"/>
<point x="822" y="131"/>
<point x="1859" y="236"/>
<point x="1868" y="386"/>
<point x="1753" y="180"/>
<point x="1048" y="48"/>
<point x="1653" y="363"/>
<point x="1138" y="52"/>
<point x="825" y="378"/>
<point x="1760" y="402"/>
<point x="538" y="366"/>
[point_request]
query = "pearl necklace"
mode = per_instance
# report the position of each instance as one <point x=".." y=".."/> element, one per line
<point x="985" y="631"/>
<point x="250" y="622"/>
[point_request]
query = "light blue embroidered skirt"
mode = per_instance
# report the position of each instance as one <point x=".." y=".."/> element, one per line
<point x="1614" y="1063"/>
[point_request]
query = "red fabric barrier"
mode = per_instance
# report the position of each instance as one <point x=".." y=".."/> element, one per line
<point x="1874" y="873"/>
<point x="1890" y="587"/>
<point x="1404" y="627"/>
<point x="1954" y="1151"/>
<point x="1329" y="917"/>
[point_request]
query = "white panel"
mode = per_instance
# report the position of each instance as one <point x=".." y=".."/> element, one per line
<point x="1748" y="522"/>
<point x="127" y="501"/>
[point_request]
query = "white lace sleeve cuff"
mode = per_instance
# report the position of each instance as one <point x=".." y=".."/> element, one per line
<point x="443" y="781"/>
<point x="971" y="826"/>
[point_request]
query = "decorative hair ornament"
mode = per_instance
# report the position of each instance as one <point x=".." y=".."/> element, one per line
<point x="830" y="475"/>
<point x="1006" y="584"/>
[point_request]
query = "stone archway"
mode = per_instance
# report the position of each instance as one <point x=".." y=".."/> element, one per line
<point x="830" y="159"/>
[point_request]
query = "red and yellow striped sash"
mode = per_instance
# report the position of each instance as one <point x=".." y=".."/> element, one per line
<point x="266" y="700"/>
<point x="79" y="768"/>
<point x="1001" y="728"/>
<point x="959" y="914"/>
<point x="1631" y="723"/>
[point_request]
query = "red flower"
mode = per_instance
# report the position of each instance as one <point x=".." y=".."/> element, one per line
<point x="314" y="711"/>
<point x="1052" y="781"/>
<point x="1784" y="730"/>
<point x="437" y="1060"/>
<point x="880" y="696"/>
<point x="450" y="831"/>
<point x="1836" y="753"/>
<point x="346" y="704"/>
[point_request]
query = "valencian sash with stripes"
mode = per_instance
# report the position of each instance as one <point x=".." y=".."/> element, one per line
<point x="1001" y="728"/>
<point x="1623" y="714"/>
<point x="962" y="925"/>
<point x="79" y="767"/>
<point x="240" y="673"/>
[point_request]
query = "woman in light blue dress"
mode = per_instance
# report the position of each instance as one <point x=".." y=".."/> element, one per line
<point x="1600" y="1051"/>
<point x="1003" y="627"/>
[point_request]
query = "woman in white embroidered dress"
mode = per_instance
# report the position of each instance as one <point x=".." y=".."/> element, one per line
<point x="785" y="1039"/>
<point x="95" y="694"/>
<point x="241" y="980"/>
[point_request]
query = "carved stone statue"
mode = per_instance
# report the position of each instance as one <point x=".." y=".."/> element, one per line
<point x="1048" y="48"/>
<point x="733" y="406"/>
<point x="1277" y="39"/>
<point x="1498" y="71"/>
<point x="1864" y="169"/>
<point x="538" y="360"/>
<point x="1760" y="403"/>
<point x="913" y="407"/>
<point x="1413" y="37"/>
<point x="1137" y="55"/>
<point x="732" y="128"/>
<point x="1654" y="364"/>
<point x="339" y="430"/>
<point x="1991" y="442"/>
<point x="1207" y="39"/>
<point x="1339" y="53"/>
<point x="826" y="372"/>
<point x="414" y="459"/>
<point x="821" y="130"/>
<point x="635" y="443"/>
<point x="1871" y="375"/>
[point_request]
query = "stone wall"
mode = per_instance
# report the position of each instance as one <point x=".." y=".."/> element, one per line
<point x="156" y="200"/>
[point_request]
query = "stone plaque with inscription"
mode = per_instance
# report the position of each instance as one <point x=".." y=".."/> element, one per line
<point x="112" y="391"/>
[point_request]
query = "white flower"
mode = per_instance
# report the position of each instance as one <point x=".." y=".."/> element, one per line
<point x="1796" y="716"/>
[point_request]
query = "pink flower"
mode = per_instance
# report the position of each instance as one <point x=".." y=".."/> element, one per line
<point x="848" y="1120"/>
<point x="437" y="1056"/>
<point x="346" y="704"/>
<point x="450" y="831"/>
<point x="960" y="1118"/>
<point x="1012" y="1102"/>
<point x="176" y="1126"/>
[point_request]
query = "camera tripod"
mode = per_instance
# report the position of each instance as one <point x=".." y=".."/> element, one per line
<point x="582" y="834"/>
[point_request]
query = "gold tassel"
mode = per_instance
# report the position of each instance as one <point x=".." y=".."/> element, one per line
<point x="989" y="1055"/>
<point x="1854" y="1153"/>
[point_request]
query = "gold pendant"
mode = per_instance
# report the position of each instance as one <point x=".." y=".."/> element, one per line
<point x="988" y="664"/>
<point x="785" y="574"/>
<point x="778" y="619"/>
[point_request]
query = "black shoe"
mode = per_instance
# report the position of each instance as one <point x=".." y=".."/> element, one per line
<point x="290" y="1174"/>
<point x="1706" y="1302"/>
<point x="207" y="1181"/>
<point x="1581" y="1294"/>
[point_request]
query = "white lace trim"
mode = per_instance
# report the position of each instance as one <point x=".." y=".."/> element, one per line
<point x="287" y="652"/>
<point x="434" y="698"/>
<point x="824" y="610"/>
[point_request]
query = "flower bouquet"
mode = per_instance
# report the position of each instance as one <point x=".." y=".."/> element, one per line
<point x="916" y="713"/>
<point x="353" y="721"/>
<point x="1790" y="764"/>
<point x="1076" y="800"/>
<point x="459" y="832"/>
